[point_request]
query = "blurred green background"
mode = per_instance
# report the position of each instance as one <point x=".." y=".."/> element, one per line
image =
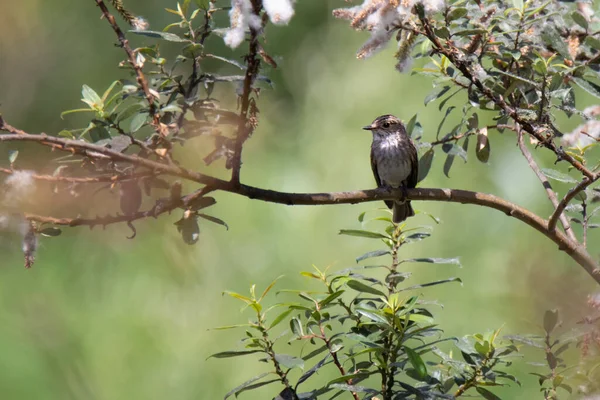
<point x="103" y="317"/>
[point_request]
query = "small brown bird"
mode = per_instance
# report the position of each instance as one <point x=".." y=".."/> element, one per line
<point x="394" y="161"/>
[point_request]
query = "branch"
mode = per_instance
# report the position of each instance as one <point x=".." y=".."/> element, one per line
<point x="107" y="178"/>
<point x="245" y="127"/>
<point x="549" y="191"/>
<point x="141" y="79"/>
<point x="567" y="199"/>
<point x="576" y="251"/>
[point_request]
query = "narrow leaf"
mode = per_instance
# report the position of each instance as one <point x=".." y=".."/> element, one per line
<point x="362" y="287"/>
<point x="425" y="164"/>
<point x="246" y="384"/>
<point x="363" y="233"/>
<point x="229" y="354"/>
<point x="558" y="176"/>
<point x="171" y="37"/>
<point x="289" y="361"/>
<point x="417" y="362"/>
<point x="372" y="254"/>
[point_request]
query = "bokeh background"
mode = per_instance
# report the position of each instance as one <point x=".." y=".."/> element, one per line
<point x="103" y="317"/>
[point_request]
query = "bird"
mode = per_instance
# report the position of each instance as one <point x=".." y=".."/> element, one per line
<point x="394" y="161"/>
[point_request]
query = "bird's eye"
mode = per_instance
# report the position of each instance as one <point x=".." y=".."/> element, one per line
<point x="386" y="124"/>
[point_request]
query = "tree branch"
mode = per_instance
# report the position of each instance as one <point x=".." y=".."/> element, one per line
<point x="567" y="199"/>
<point x="573" y="249"/>
<point x="547" y="186"/>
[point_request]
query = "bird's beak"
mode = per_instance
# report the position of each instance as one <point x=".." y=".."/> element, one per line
<point x="368" y="127"/>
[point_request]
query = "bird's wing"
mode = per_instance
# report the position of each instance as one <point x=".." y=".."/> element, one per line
<point x="388" y="203"/>
<point x="413" y="178"/>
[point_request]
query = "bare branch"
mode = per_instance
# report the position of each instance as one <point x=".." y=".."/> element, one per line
<point x="547" y="186"/>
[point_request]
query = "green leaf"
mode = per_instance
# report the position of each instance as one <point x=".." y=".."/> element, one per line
<point x="289" y="361"/>
<point x="330" y="298"/>
<point x="345" y="378"/>
<point x="171" y="37"/>
<point x="486" y="394"/>
<point x="425" y="164"/>
<point x="314" y="369"/>
<point x="12" y="156"/>
<point x="580" y="19"/>
<point x="482" y="149"/>
<point x="411" y="125"/>
<point x="138" y="121"/>
<point x="128" y="112"/>
<point x="353" y="388"/>
<point x="268" y="288"/>
<point x="238" y="296"/>
<point x="454" y="261"/>
<point x="77" y="110"/>
<point x="372" y="254"/>
<point x="109" y="90"/>
<point x="362" y="287"/>
<point x="171" y="108"/>
<point x="431" y="284"/>
<point x="457" y="150"/>
<point x="363" y="233"/>
<point x="436" y="94"/>
<point x="588" y="86"/>
<point x="50" y="232"/>
<point x="203" y="4"/>
<point x="552" y="38"/>
<point x="247" y="384"/>
<point x="91" y="98"/>
<point x="558" y="176"/>
<point x="593" y="42"/>
<point x="417" y="362"/>
<point x="202" y="202"/>
<point x="457" y="13"/>
<point x="372" y="316"/>
<point x="229" y="354"/>
<point x="448" y="164"/>
<point x="215" y="220"/>
<point x="550" y="320"/>
<point x="280" y="318"/>
<point x="296" y="327"/>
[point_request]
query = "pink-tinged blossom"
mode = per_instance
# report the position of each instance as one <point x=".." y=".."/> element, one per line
<point x="140" y="24"/>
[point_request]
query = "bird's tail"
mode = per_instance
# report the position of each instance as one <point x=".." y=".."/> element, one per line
<point x="402" y="211"/>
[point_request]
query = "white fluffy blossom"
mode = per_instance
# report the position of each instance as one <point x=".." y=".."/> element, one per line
<point x="241" y="17"/>
<point x="433" y="6"/>
<point x="18" y="186"/>
<point x="280" y="12"/>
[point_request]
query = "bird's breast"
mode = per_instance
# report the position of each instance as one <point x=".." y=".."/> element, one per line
<point x="393" y="163"/>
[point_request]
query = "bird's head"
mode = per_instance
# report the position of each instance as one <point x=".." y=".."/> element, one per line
<point x="386" y="125"/>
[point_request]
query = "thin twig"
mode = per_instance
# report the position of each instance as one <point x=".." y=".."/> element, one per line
<point x="581" y="186"/>
<point x="141" y="79"/>
<point x="547" y="186"/>
<point x="245" y="128"/>
<point x="107" y="178"/>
